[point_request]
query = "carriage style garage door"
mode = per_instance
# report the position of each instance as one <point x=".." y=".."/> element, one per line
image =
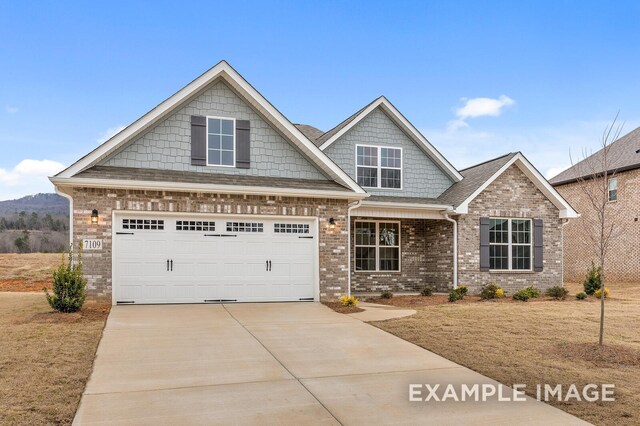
<point x="208" y="259"/>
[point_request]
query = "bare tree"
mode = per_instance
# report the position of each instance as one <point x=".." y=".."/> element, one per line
<point x="601" y="222"/>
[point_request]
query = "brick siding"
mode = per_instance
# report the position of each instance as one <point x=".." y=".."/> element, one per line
<point x="426" y="250"/>
<point x="511" y="195"/>
<point x="623" y="260"/>
<point x="97" y="265"/>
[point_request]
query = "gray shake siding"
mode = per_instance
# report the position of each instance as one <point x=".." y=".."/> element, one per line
<point x="168" y="144"/>
<point x="422" y="178"/>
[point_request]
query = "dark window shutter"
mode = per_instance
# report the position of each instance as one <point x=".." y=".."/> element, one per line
<point x="243" y="144"/>
<point x="484" y="243"/>
<point x="198" y="140"/>
<point x="538" y="245"/>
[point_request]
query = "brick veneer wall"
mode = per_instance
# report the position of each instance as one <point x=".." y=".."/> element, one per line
<point x="511" y="195"/>
<point x="623" y="261"/>
<point x="426" y="250"/>
<point x="97" y="265"/>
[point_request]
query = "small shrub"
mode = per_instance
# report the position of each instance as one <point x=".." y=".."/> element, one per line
<point x="594" y="280"/>
<point x="457" y="294"/>
<point x="557" y="292"/>
<point x="386" y="295"/>
<point x="522" y="295"/>
<point x="598" y="293"/>
<point x="499" y="293"/>
<point x="463" y="290"/>
<point x="490" y="291"/>
<point x="349" y="300"/>
<point x="69" y="285"/>
<point x="533" y="292"/>
<point x="581" y="296"/>
<point x="426" y="291"/>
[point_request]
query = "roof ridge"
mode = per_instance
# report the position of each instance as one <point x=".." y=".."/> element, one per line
<point x="347" y="120"/>
<point x="489" y="161"/>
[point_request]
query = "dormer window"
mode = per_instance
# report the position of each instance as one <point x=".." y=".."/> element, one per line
<point x="221" y="143"/>
<point x="379" y="167"/>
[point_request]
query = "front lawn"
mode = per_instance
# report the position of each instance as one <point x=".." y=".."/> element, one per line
<point x="546" y="341"/>
<point x="45" y="358"/>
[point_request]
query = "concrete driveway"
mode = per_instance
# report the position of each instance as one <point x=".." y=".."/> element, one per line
<point x="280" y="363"/>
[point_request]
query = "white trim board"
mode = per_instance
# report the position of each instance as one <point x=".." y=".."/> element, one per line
<point x="566" y="211"/>
<point x="224" y="71"/>
<point x="404" y="125"/>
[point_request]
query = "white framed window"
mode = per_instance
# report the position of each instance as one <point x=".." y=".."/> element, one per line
<point x="379" y="167"/>
<point x="221" y="141"/>
<point x="510" y="244"/>
<point x="613" y="189"/>
<point x="377" y="246"/>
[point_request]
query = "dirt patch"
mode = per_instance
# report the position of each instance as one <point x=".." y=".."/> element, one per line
<point x="338" y="307"/>
<point x="27" y="272"/>
<point x="92" y="313"/>
<point x="420" y="301"/>
<point x="609" y="355"/>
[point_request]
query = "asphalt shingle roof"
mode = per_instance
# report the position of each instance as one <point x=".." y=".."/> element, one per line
<point x="312" y="133"/>
<point x="473" y="178"/>
<point x="157" y="175"/>
<point x="624" y="154"/>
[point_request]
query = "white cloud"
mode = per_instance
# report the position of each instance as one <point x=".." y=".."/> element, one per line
<point x="109" y="133"/>
<point x="27" y="177"/>
<point x="478" y="107"/>
<point x="11" y="109"/>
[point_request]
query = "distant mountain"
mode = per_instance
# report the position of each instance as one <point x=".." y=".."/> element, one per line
<point x="53" y="204"/>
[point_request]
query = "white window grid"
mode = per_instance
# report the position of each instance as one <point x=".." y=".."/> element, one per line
<point x="510" y="244"/>
<point x="372" y="159"/>
<point x="612" y="194"/>
<point x="245" y="227"/>
<point x="143" y="224"/>
<point x="378" y="246"/>
<point x="291" y="228"/>
<point x="221" y="134"/>
<point x="195" y="225"/>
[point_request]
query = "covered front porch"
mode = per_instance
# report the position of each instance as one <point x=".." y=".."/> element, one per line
<point x="401" y="247"/>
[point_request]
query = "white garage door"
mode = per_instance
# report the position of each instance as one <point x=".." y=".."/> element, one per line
<point x="204" y="259"/>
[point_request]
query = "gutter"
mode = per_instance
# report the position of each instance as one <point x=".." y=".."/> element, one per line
<point x="351" y="207"/>
<point x="455" y="247"/>
<point x="70" y="198"/>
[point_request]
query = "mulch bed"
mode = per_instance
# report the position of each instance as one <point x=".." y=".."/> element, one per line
<point x="607" y="355"/>
<point x="337" y="306"/>
<point x="87" y="313"/>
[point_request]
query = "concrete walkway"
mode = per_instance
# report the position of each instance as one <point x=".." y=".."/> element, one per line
<point x="282" y="363"/>
<point x="379" y="312"/>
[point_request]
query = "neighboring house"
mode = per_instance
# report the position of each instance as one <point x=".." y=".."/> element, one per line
<point x="215" y="196"/>
<point x="624" y="200"/>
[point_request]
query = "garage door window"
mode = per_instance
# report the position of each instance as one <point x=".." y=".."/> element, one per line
<point x="291" y="228"/>
<point x="245" y="227"/>
<point x="195" y="225"/>
<point x="151" y="224"/>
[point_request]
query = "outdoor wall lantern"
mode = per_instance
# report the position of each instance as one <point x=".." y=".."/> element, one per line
<point x="332" y="223"/>
<point x="94" y="217"/>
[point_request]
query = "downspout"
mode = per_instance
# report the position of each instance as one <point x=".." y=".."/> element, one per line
<point x="455" y="248"/>
<point x="70" y="198"/>
<point x="566" y="221"/>
<point x="351" y="207"/>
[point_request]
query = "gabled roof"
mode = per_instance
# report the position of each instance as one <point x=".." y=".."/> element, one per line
<point x="479" y="177"/>
<point x="312" y="133"/>
<point x="334" y="134"/>
<point x="221" y="71"/>
<point x="157" y="179"/>
<point x="624" y="154"/>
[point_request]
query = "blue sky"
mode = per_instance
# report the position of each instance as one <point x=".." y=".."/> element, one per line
<point x="479" y="79"/>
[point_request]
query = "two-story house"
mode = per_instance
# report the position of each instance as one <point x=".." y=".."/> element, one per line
<point x="215" y="196"/>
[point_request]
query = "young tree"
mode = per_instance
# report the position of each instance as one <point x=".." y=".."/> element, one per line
<point x="602" y="223"/>
<point x="22" y="242"/>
